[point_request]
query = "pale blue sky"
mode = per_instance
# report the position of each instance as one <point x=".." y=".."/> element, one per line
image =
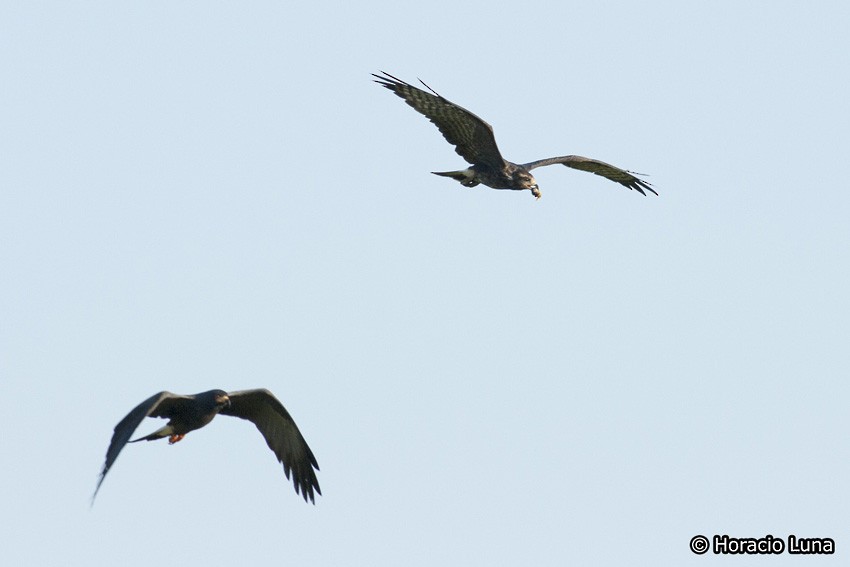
<point x="215" y="195"/>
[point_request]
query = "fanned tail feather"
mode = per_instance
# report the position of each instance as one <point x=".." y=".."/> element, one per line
<point x="164" y="431"/>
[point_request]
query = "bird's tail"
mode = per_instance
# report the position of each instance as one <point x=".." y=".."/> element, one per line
<point x="465" y="176"/>
<point x="164" y="431"/>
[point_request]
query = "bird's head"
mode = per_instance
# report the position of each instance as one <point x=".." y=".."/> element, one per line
<point x="221" y="399"/>
<point x="524" y="180"/>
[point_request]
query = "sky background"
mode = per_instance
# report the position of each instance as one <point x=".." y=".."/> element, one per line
<point x="203" y="195"/>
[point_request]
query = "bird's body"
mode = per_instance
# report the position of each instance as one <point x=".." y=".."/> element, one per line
<point x="188" y="413"/>
<point x="509" y="176"/>
<point x="474" y="141"/>
<point x="186" y="417"/>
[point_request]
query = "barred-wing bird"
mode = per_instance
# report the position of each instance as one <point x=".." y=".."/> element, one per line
<point x="474" y="141"/>
<point x="188" y="413"/>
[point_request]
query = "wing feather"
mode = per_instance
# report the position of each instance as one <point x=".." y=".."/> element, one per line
<point x="281" y="434"/>
<point x="623" y="177"/>
<point x="472" y="137"/>
<point x="158" y="405"/>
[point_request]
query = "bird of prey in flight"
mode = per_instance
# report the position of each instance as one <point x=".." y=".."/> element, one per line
<point x="474" y="141"/>
<point x="188" y="413"/>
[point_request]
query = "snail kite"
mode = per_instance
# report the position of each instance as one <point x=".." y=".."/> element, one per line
<point x="188" y="413"/>
<point x="474" y="141"/>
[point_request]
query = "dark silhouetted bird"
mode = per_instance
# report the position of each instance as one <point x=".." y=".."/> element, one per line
<point x="188" y="413"/>
<point x="474" y="141"/>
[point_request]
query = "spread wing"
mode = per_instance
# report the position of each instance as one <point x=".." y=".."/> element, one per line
<point x="472" y="137"/>
<point x="281" y="434"/>
<point x="621" y="176"/>
<point x="158" y="405"/>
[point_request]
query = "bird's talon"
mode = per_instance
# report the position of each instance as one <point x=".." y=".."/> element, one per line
<point x="175" y="438"/>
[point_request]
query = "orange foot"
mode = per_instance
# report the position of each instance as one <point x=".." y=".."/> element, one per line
<point x="175" y="438"/>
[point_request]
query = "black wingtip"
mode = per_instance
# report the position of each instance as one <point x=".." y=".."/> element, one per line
<point x="388" y="80"/>
<point x="97" y="489"/>
<point x="641" y="185"/>
<point x="427" y="87"/>
<point x="308" y="491"/>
